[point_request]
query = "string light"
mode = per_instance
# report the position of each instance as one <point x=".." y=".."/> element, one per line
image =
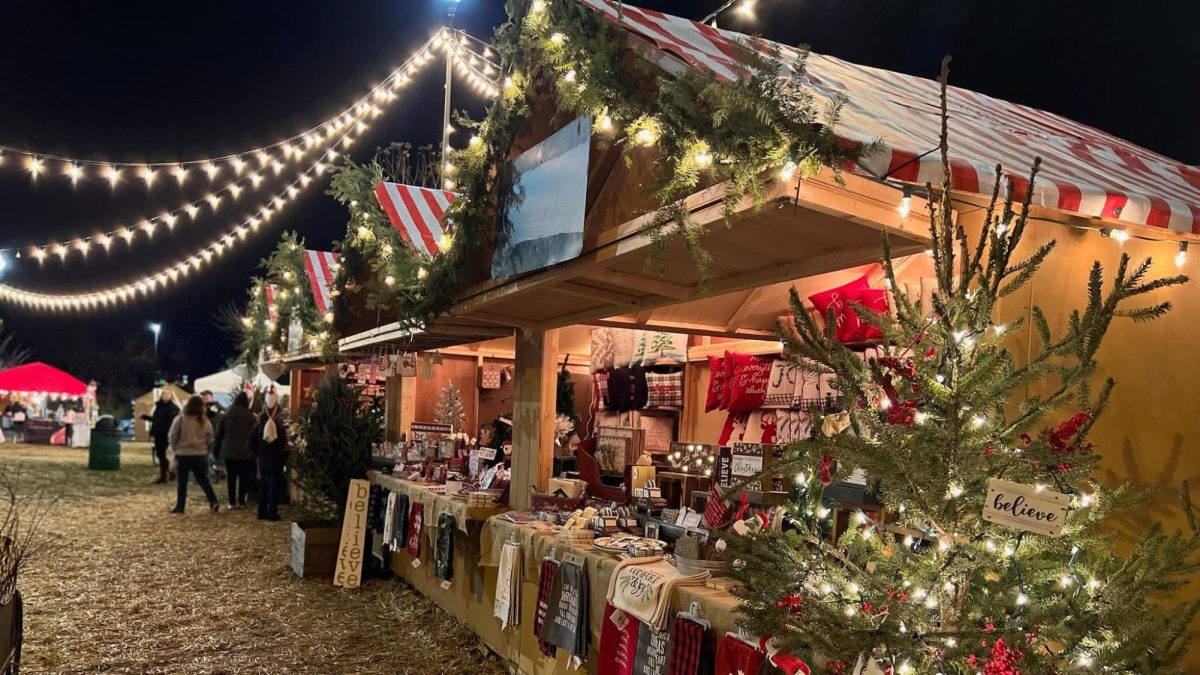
<point x="139" y="287"/>
<point x="905" y="201"/>
<point x="234" y="188"/>
<point x="237" y="161"/>
<point x="1120" y="236"/>
<point x="1181" y="256"/>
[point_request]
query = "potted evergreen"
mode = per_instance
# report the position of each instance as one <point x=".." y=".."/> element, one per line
<point x="336" y="434"/>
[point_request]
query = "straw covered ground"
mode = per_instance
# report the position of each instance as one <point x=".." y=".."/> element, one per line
<point x="133" y="589"/>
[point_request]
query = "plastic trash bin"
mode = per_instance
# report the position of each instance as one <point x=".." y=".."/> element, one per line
<point x="104" y="450"/>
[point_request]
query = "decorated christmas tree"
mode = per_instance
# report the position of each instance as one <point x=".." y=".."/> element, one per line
<point x="925" y="584"/>
<point x="449" y="408"/>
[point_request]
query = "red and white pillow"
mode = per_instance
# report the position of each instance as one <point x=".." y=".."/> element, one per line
<point x="849" y="325"/>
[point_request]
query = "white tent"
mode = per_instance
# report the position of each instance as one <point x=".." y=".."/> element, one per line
<point x="224" y="384"/>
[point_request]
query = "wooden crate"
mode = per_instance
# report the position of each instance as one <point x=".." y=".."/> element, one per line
<point x="314" y="550"/>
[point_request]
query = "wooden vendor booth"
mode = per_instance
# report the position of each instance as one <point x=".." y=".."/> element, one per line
<point x="679" y="380"/>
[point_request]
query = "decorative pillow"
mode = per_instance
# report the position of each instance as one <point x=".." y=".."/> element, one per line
<point x="716" y="383"/>
<point x="761" y="427"/>
<point x="662" y="346"/>
<point x="622" y="347"/>
<point x="781" y="385"/>
<point x="838" y="299"/>
<point x="602" y="349"/>
<point x="728" y="364"/>
<point x="665" y="390"/>
<point x="600" y="391"/>
<point x="734" y="429"/>
<point x="853" y="328"/>
<point x="638" y="355"/>
<point x="850" y="327"/>
<point x="748" y="382"/>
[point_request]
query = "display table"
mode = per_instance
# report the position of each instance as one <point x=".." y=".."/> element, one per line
<point x="470" y="595"/>
<point x="718" y="607"/>
<point x="436" y="504"/>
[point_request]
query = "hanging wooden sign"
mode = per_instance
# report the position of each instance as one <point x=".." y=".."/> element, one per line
<point x="1025" y="507"/>
<point x="348" y="572"/>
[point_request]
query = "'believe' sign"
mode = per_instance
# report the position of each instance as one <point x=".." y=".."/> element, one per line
<point x="1025" y="507"/>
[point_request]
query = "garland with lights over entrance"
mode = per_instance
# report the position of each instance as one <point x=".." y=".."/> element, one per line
<point x="695" y="129"/>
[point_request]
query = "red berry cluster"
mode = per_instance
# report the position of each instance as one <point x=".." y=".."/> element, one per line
<point x="1003" y="660"/>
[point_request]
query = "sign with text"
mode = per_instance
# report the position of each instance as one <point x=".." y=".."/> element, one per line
<point x="1025" y="507"/>
<point x="348" y="573"/>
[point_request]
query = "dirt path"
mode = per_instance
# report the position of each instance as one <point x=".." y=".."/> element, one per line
<point x="133" y="589"/>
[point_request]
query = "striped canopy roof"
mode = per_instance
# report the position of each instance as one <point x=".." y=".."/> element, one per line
<point x="1085" y="170"/>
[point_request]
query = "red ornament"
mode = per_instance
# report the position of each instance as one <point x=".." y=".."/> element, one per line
<point x="1003" y="660"/>
<point x="827" y="470"/>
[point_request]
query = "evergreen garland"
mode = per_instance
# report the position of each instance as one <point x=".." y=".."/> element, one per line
<point x="695" y="129"/>
<point x="284" y="270"/>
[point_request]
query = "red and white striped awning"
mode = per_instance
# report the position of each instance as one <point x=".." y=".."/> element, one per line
<point x="321" y="267"/>
<point x="417" y="213"/>
<point x="1085" y="170"/>
<point x="272" y="310"/>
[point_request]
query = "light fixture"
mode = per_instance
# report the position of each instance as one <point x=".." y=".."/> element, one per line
<point x="1181" y="256"/>
<point x="1120" y="236"/>
<point x="905" y="201"/>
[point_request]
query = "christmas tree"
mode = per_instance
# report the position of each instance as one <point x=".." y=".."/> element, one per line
<point x="449" y="408"/>
<point x="337" y="433"/>
<point x="926" y="585"/>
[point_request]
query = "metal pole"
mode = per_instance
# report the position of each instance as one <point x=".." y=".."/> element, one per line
<point x="450" y="7"/>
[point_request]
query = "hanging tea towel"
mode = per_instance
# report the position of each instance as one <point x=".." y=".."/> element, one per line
<point x="507" y="607"/>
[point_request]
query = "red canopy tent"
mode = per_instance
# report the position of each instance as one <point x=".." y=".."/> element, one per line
<point x="38" y="379"/>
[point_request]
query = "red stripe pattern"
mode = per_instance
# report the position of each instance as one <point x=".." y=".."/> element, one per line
<point x="321" y="268"/>
<point x="417" y="213"/>
<point x="269" y="293"/>
<point x="1085" y="170"/>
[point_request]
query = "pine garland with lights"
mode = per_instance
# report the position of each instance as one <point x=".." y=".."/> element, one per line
<point x="935" y="588"/>
<point x="695" y="130"/>
<point x="285" y="271"/>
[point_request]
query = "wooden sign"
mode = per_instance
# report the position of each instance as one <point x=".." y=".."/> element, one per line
<point x="348" y="573"/>
<point x="749" y="459"/>
<point x="1025" y="507"/>
<point x="660" y="432"/>
<point x="618" y="446"/>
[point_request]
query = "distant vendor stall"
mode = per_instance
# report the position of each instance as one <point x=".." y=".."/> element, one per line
<point x="35" y="392"/>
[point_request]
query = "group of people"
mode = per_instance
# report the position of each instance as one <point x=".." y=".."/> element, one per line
<point x="253" y="447"/>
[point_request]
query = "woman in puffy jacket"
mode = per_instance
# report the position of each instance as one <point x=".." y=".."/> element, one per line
<point x="191" y="434"/>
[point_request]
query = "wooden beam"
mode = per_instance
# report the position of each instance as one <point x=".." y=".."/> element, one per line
<point x="743" y="309"/>
<point x="685" y="327"/>
<point x="535" y="384"/>
<point x="756" y="347"/>
<point x="393" y="395"/>
<point x="598" y="294"/>
<point x="645" y="284"/>
<point x="497" y="319"/>
<point x="408" y="405"/>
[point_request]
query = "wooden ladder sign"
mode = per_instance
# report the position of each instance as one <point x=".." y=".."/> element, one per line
<point x="1025" y="507"/>
<point x="348" y="573"/>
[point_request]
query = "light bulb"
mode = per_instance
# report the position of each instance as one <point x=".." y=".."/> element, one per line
<point x="905" y="201"/>
<point x="537" y="6"/>
<point x="1181" y="256"/>
<point x="180" y="173"/>
<point x="113" y="174"/>
<point x="558" y="38"/>
<point x="74" y="172"/>
<point x="148" y="175"/>
<point x="1022" y="599"/>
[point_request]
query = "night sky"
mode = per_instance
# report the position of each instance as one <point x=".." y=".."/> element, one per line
<point x="154" y="81"/>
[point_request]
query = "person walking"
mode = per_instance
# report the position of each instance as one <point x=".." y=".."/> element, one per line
<point x="163" y="416"/>
<point x="214" y="411"/>
<point x="270" y="443"/>
<point x="233" y="444"/>
<point x="190" y="435"/>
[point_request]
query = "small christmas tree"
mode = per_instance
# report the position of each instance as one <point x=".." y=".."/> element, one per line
<point x="931" y="586"/>
<point x="449" y="408"/>
<point x="337" y="433"/>
<point x="564" y="398"/>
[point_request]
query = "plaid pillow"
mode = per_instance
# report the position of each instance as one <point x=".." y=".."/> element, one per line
<point x="665" y="390"/>
<point x="600" y="390"/>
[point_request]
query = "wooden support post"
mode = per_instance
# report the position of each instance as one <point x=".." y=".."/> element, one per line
<point x="408" y="404"/>
<point x="534" y="386"/>
<point x="392" y="400"/>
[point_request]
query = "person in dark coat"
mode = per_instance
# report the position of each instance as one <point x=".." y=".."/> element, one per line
<point x="164" y="414"/>
<point x="269" y="441"/>
<point x="232" y="443"/>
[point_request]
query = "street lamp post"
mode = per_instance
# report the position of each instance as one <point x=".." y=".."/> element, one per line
<point x="451" y="9"/>
<point x="156" y="328"/>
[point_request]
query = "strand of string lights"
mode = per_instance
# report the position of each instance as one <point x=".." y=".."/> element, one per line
<point x="365" y="107"/>
<point x="151" y="173"/>
<point x="155" y="281"/>
<point x="150" y="283"/>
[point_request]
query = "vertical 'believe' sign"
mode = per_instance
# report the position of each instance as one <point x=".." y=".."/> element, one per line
<point x="348" y="573"/>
